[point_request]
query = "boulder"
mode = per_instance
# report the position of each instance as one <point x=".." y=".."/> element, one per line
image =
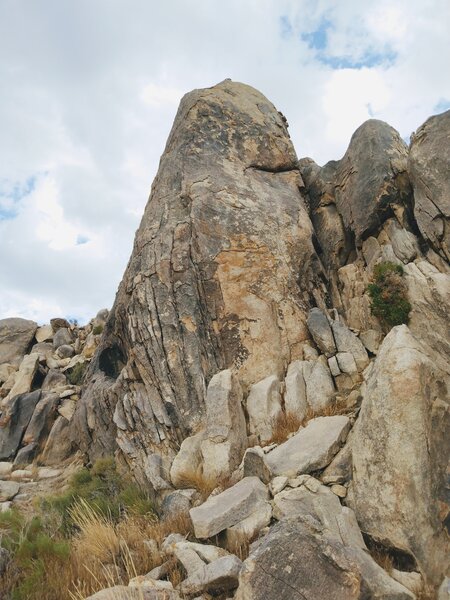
<point x="25" y="375"/>
<point x="5" y="371"/>
<point x="216" y="578"/>
<point x="226" y="429"/>
<point x="248" y="529"/>
<point x="42" y="420"/>
<point x="312" y="448"/>
<point x="320" y="330"/>
<point x="44" y="334"/>
<point x="14" y="421"/>
<point x="8" y="489"/>
<point x="320" y="388"/>
<point x="228" y="508"/>
<point x="188" y="463"/>
<point x="65" y="351"/>
<point x="58" y="323"/>
<point x="313" y="499"/>
<point x="400" y="449"/>
<point x="5" y="469"/>
<point x="300" y="561"/>
<point x="428" y="167"/>
<point x="62" y="337"/>
<point x="295" y="401"/>
<point x="347" y="341"/>
<point x="254" y="464"/>
<point x="264" y="408"/>
<point x="58" y="446"/>
<point x="16" y="336"/>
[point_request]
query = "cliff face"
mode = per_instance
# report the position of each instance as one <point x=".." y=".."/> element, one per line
<point x="282" y="327"/>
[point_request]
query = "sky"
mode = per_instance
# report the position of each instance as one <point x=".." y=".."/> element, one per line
<point x="90" y="88"/>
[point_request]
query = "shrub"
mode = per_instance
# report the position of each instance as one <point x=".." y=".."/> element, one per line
<point x="76" y="374"/>
<point x="389" y="295"/>
<point x="98" y="329"/>
<point x="102" y="487"/>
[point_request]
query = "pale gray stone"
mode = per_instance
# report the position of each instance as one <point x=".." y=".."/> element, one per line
<point x="334" y="367"/>
<point x="347" y="341"/>
<point x="188" y="462"/>
<point x="346" y="363"/>
<point x="295" y="401"/>
<point x="264" y="407"/>
<point x="215" y="578"/>
<point x="226" y="428"/>
<point x="320" y="330"/>
<point x="63" y="336"/>
<point x="320" y="388"/>
<point x="312" y="448"/>
<point x="8" y="489"/>
<point x="228" y="508"/>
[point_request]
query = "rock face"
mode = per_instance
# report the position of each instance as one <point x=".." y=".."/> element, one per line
<point x="428" y="166"/>
<point x="400" y="449"/>
<point x="222" y="269"/>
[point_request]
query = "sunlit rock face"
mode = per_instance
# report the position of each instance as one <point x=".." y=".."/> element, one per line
<point x="221" y="275"/>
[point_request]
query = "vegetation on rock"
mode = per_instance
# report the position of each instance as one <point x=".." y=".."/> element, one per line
<point x="389" y="295"/>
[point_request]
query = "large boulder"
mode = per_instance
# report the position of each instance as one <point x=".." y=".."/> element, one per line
<point x="429" y="166"/>
<point x="16" y="336"/>
<point x="312" y="448"/>
<point x="400" y="447"/>
<point x="226" y="431"/>
<point x="264" y="408"/>
<point x="221" y="276"/>
<point x="299" y="560"/>
<point x="229" y="508"/>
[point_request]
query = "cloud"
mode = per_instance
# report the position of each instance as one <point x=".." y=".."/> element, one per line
<point x="90" y="91"/>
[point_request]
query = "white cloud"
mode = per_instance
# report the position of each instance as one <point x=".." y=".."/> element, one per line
<point x="90" y="91"/>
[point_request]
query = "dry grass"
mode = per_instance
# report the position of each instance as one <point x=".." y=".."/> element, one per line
<point x="382" y="558"/>
<point x="205" y="485"/>
<point x="288" y="423"/>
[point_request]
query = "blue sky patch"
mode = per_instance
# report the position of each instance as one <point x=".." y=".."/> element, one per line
<point x="441" y="106"/>
<point x="286" y="27"/>
<point x="369" y="59"/>
<point x="318" y="38"/>
<point x="11" y="193"/>
<point x="82" y="239"/>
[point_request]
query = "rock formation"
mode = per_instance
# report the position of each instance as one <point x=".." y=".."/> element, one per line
<point x="242" y="375"/>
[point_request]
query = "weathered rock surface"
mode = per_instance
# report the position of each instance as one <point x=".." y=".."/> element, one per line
<point x="311" y="448"/>
<point x="228" y="508"/>
<point x="121" y="592"/>
<point x="14" y="421"/>
<point x="16" y="336"/>
<point x="226" y="429"/>
<point x="264" y="407"/>
<point x="8" y="489"/>
<point x="220" y="275"/>
<point x="316" y="500"/>
<point x="428" y="167"/>
<point x="400" y="448"/>
<point x="298" y="560"/>
<point x="217" y="577"/>
<point x="320" y="330"/>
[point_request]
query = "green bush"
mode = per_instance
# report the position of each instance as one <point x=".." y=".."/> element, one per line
<point x="98" y="329"/>
<point x="109" y="492"/>
<point x="389" y="295"/>
<point x="76" y="375"/>
<point x="33" y="549"/>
